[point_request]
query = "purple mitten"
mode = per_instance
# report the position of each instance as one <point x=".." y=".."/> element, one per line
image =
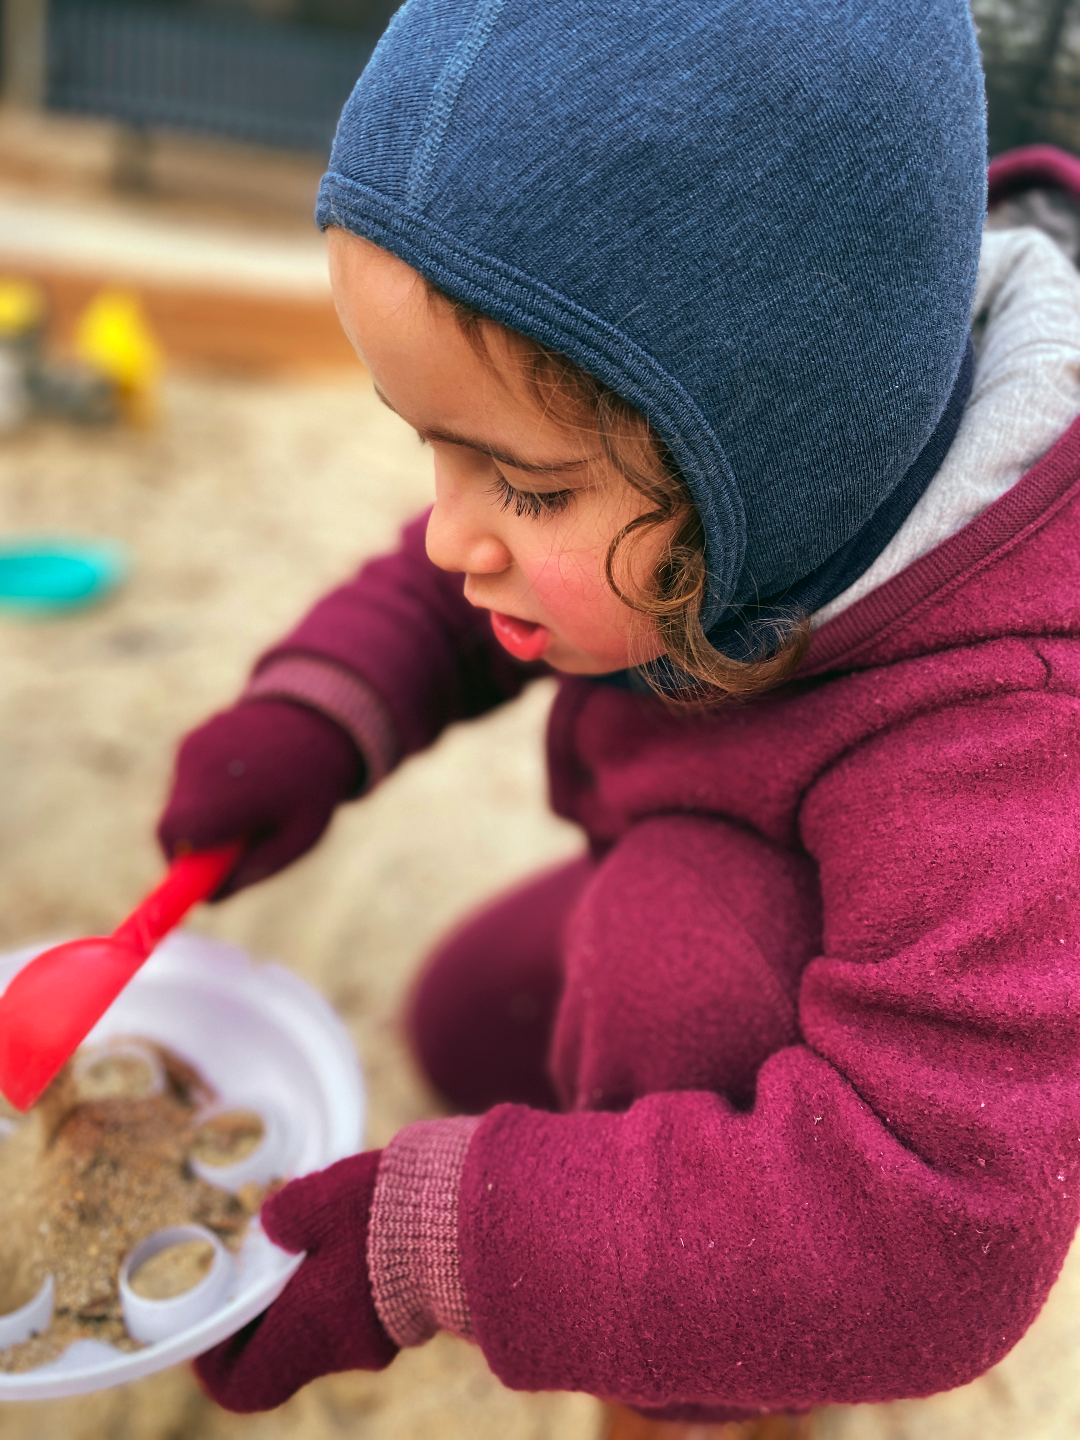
<point x="267" y="771"/>
<point x="324" y="1320"/>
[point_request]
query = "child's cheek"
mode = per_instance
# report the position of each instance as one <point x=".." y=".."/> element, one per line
<point x="574" y="594"/>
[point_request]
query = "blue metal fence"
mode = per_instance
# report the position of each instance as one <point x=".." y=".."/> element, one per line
<point x="275" y="82"/>
<point x="265" y="81"/>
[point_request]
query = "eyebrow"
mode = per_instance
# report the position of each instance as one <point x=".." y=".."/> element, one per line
<point x="504" y="457"/>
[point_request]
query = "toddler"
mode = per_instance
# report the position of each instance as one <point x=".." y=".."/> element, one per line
<point x="773" y="1099"/>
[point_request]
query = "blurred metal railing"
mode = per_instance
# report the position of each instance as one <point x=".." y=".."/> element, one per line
<point x="236" y="75"/>
<point x="1031" y="54"/>
<point x="181" y="66"/>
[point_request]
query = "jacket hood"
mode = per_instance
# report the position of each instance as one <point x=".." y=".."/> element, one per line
<point x="758" y="223"/>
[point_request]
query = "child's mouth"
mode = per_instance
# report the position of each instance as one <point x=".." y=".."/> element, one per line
<point x="525" y="639"/>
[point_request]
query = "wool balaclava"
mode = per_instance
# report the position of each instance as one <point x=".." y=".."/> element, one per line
<point x="758" y="222"/>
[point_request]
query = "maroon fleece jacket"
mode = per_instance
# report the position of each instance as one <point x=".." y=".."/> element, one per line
<point x="820" y="1040"/>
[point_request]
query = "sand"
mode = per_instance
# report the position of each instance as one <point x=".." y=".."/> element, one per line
<point x="91" y="1172"/>
<point x="173" y="1271"/>
<point x="127" y="1076"/>
<point x="227" y="1138"/>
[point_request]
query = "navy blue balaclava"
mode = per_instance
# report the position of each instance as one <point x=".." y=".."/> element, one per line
<point x="758" y="221"/>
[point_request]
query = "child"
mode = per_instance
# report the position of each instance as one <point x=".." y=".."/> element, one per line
<point x="774" y="1099"/>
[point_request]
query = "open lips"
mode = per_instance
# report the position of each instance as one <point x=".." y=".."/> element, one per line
<point x="525" y="639"/>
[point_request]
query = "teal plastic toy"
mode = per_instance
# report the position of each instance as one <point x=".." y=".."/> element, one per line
<point x="44" y="577"/>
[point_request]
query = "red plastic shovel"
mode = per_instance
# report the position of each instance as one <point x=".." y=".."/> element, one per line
<point x="56" y="1000"/>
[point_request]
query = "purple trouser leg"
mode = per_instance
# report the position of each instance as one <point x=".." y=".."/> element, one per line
<point x="483" y="1010"/>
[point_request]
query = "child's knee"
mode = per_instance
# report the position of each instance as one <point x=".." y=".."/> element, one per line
<point x="481" y="1014"/>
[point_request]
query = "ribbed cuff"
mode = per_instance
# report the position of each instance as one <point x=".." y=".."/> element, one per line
<point x="413" y="1255"/>
<point x="339" y="695"/>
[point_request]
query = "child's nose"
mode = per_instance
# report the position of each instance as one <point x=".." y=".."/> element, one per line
<point x="460" y="538"/>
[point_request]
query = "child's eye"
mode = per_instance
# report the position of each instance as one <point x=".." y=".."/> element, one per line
<point x="530" y="502"/>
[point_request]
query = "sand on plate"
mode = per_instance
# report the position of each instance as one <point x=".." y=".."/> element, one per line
<point x="173" y="1271"/>
<point x="227" y="1137"/>
<point x="128" y="1076"/>
<point x="85" y="1177"/>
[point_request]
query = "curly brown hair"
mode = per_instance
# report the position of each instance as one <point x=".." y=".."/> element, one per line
<point x="672" y="596"/>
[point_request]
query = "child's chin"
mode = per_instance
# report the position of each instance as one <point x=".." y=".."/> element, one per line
<point x="570" y="661"/>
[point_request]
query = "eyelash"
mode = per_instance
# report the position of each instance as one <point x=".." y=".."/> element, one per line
<point x="526" y="502"/>
<point x="529" y="502"/>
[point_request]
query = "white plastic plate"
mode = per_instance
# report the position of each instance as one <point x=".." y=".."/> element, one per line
<point x="258" y="1034"/>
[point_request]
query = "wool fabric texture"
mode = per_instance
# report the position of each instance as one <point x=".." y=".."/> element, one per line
<point x="759" y="225"/>
<point x="325" y="1320"/>
<point x="1026" y="393"/>
<point x="413" y="1256"/>
<point x="270" y="772"/>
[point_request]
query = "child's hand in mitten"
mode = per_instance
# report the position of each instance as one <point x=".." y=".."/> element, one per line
<point x="324" y="1320"/>
<point x="267" y="771"/>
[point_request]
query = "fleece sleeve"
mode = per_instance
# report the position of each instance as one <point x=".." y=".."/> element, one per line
<point x="886" y="1217"/>
<point x="393" y="656"/>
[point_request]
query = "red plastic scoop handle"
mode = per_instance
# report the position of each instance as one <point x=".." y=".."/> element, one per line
<point x="191" y="878"/>
<point x="54" y="1002"/>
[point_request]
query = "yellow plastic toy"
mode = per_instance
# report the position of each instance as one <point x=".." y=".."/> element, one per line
<point x="22" y="308"/>
<point x="112" y="335"/>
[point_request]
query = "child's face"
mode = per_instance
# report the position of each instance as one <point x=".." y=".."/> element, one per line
<point x="524" y="507"/>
